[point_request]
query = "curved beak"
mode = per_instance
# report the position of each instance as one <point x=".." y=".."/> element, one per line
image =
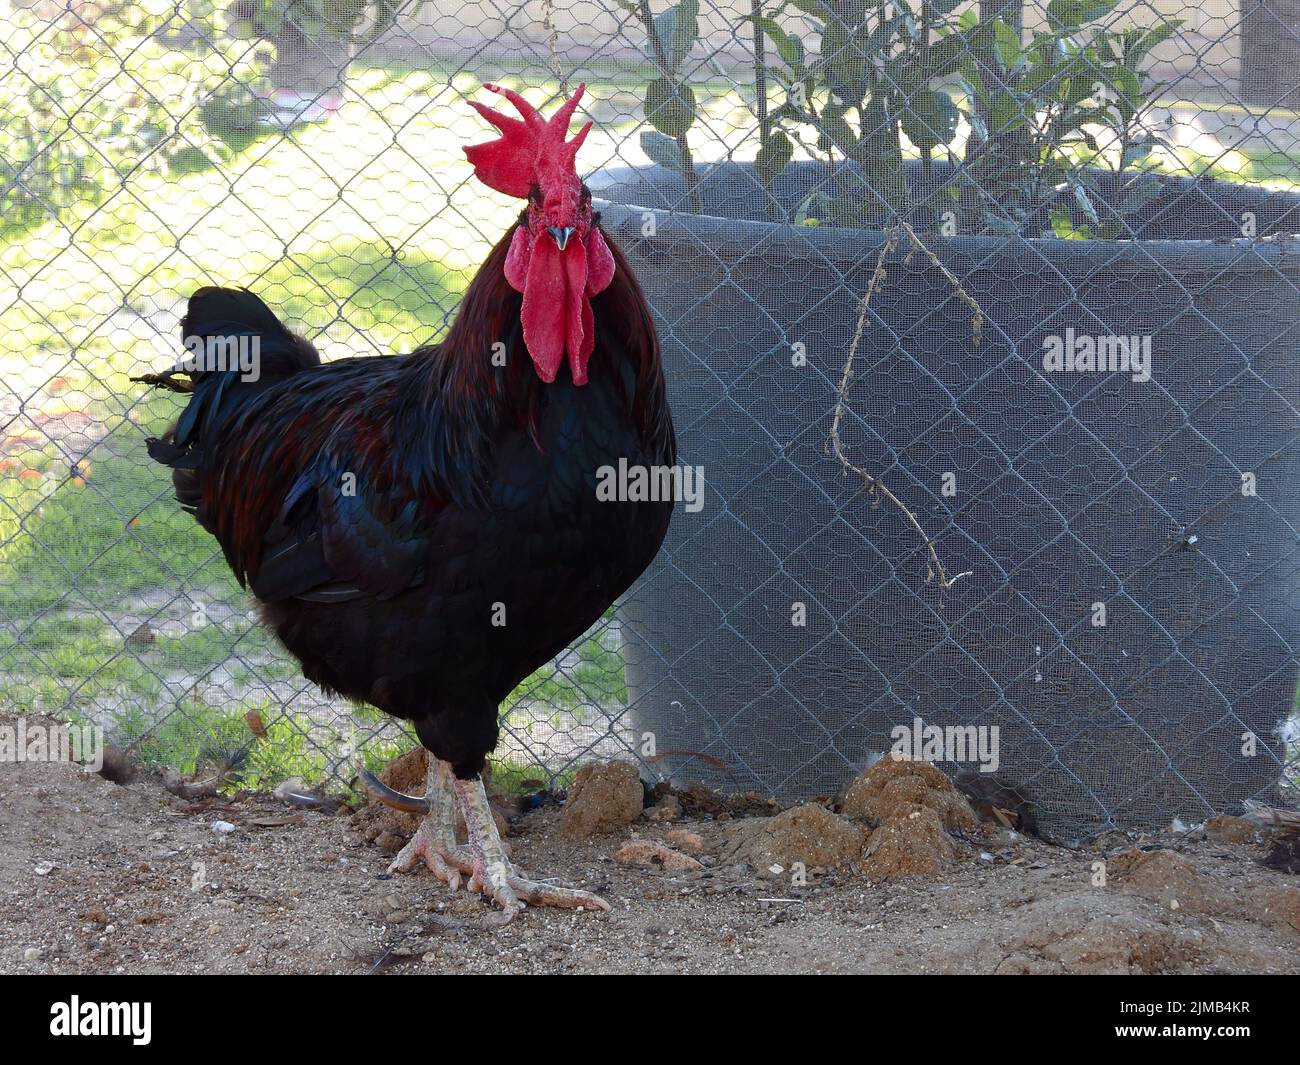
<point x="561" y="234"/>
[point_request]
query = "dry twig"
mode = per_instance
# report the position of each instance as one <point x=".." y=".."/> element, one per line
<point x="836" y="445"/>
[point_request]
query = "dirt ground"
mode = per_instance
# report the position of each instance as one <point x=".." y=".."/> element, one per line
<point x="97" y="877"/>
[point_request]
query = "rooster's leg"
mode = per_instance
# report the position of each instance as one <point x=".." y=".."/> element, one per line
<point x="493" y="874"/>
<point x="434" y="841"/>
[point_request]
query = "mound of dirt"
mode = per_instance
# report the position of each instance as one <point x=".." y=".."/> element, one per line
<point x="1228" y="829"/>
<point x="1167" y="877"/>
<point x="686" y="840"/>
<point x="604" y="798"/>
<point x="892" y="790"/>
<point x="912" y="808"/>
<point x="1061" y="935"/>
<point x="915" y="845"/>
<point x="809" y="834"/>
<point x="1277" y="907"/>
<point x="408" y="772"/>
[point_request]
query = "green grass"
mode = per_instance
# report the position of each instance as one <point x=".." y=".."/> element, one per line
<point x="197" y="739"/>
<point x="576" y="689"/>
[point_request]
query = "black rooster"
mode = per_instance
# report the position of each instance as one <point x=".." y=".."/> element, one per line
<point x="423" y="531"/>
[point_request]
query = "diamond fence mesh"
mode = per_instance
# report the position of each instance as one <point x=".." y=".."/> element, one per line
<point x="980" y="322"/>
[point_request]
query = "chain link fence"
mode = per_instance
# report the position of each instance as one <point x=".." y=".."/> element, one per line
<point x="980" y="322"/>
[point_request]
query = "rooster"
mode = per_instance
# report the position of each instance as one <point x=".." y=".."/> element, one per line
<point x="422" y="532"/>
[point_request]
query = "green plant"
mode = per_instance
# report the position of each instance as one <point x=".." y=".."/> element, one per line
<point x="359" y="20"/>
<point x="669" y="100"/>
<point x="88" y="105"/>
<point x="1046" y="103"/>
<point x="863" y="82"/>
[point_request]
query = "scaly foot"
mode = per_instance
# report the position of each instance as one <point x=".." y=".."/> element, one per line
<point x="492" y="874"/>
<point x="435" y="840"/>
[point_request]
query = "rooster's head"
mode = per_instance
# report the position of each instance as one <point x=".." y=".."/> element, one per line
<point x="558" y="258"/>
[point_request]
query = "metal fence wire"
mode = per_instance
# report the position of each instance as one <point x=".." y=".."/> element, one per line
<point x="980" y="323"/>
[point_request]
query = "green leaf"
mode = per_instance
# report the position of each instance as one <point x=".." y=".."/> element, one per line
<point x="1036" y="78"/>
<point x="662" y="150"/>
<point x="946" y="55"/>
<point x="669" y="107"/>
<point x="972" y="82"/>
<point x="844" y="63"/>
<point x="910" y="71"/>
<point x="997" y="222"/>
<point x="686" y="30"/>
<point x="929" y="119"/>
<point x="1063" y="225"/>
<point x="677" y="29"/>
<point x="1007" y="43"/>
<point x="803" y="215"/>
<point x="788" y="47"/>
<point x="1005" y="113"/>
<point x="1085" y="204"/>
<point x="773" y="156"/>
<point x="1138" y="150"/>
<point x="1128" y="91"/>
<point x="1143" y="44"/>
<point x="816" y="8"/>
<point x="1068" y="14"/>
<point x="1085" y="116"/>
<point x="1139" y="195"/>
<point x="834" y="132"/>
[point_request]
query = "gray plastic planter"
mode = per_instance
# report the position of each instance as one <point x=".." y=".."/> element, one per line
<point x="1073" y="489"/>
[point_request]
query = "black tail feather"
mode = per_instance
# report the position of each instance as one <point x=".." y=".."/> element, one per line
<point x="216" y="393"/>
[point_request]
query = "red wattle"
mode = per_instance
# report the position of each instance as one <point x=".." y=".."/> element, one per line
<point x="577" y="312"/>
<point x="543" y="313"/>
<point x="557" y="315"/>
<point x="600" y="263"/>
<point x="517" y="259"/>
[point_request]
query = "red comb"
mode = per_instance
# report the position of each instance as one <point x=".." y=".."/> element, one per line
<point x="512" y="163"/>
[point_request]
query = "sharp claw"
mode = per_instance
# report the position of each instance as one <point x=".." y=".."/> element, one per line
<point x="536" y="894"/>
<point x="435" y="836"/>
<point x="483" y="867"/>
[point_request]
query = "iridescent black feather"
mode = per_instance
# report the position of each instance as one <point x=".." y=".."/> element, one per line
<point x="390" y="512"/>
